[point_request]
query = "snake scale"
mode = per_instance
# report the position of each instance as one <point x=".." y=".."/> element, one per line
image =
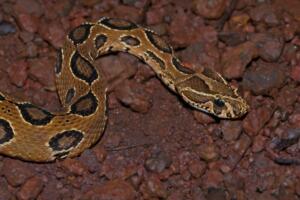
<point x="31" y="133"/>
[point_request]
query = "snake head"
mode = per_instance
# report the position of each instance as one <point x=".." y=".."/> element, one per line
<point x="209" y="92"/>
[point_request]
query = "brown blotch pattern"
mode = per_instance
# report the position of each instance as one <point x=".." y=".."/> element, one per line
<point x="35" y="115"/>
<point x="100" y="40"/>
<point x="158" y="42"/>
<point x="156" y="59"/>
<point x="131" y="41"/>
<point x="58" y="65"/>
<point x="70" y="94"/>
<point x="180" y="67"/>
<point x="118" y="24"/>
<point x="65" y="140"/>
<point x="85" y="105"/>
<point x="6" y="132"/>
<point x="83" y="69"/>
<point x="80" y="33"/>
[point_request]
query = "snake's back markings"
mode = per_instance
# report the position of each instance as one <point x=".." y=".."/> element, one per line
<point x="6" y="132"/>
<point x="85" y="105"/>
<point x="130" y="40"/>
<point x="69" y="133"/>
<point x="117" y="24"/>
<point x="100" y="41"/>
<point x="65" y="140"/>
<point x="79" y="34"/>
<point x="180" y="67"/>
<point x="35" y="115"/>
<point x="158" y="42"/>
<point x="58" y="65"/>
<point x="83" y="69"/>
<point x="154" y="57"/>
<point x="2" y="98"/>
<point x="69" y="96"/>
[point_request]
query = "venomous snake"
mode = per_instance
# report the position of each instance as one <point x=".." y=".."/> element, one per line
<point x="32" y="133"/>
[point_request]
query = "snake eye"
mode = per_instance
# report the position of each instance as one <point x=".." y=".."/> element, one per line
<point x="219" y="102"/>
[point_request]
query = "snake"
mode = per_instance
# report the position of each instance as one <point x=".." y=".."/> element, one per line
<point x="31" y="133"/>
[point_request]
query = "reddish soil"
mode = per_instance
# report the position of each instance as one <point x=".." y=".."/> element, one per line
<point x="155" y="146"/>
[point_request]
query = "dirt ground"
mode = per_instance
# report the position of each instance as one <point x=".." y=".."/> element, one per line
<point x="155" y="146"/>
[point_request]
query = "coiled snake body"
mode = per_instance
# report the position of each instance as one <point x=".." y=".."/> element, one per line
<point x="31" y="133"/>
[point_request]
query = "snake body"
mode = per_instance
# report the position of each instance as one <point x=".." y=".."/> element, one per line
<point x="32" y="133"/>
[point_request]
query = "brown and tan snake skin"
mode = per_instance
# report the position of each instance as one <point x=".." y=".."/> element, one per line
<point x="31" y="133"/>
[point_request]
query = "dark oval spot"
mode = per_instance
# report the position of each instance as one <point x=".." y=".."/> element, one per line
<point x="83" y="69"/>
<point x="80" y="33"/>
<point x="35" y="115"/>
<point x="58" y="65"/>
<point x="6" y="132"/>
<point x="131" y="41"/>
<point x="156" y="59"/>
<point x="118" y="24"/>
<point x="219" y="102"/>
<point x="2" y="98"/>
<point x="70" y="94"/>
<point x="100" y="41"/>
<point x="85" y="105"/>
<point x="158" y="42"/>
<point x="180" y="67"/>
<point x="65" y="140"/>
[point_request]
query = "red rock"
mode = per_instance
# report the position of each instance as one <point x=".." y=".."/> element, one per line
<point x="126" y="94"/>
<point x="158" y="163"/>
<point x="16" y="172"/>
<point x="252" y="124"/>
<point x="50" y="191"/>
<point x="155" y="15"/>
<point x="208" y="152"/>
<point x="295" y="73"/>
<point x="216" y="193"/>
<point x="89" y="3"/>
<point x="4" y="191"/>
<point x="212" y="179"/>
<point x="259" y="143"/>
<point x="73" y="166"/>
<point x="153" y="187"/>
<point x="211" y="9"/>
<point x="269" y="46"/>
<point x="264" y="77"/>
<point x="232" y="38"/>
<point x="197" y="168"/>
<point x="31" y="189"/>
<point x="294" y="119"/>
<point x="242" y="144"/>
<point x="114" y="189"/>
<point x="100" y="153"/>
<point x="189" y="34"/>
<point x="264" y="13"/>
<point x="29" y="7"/>
<point x="231" y="129"/>
<point x="89" y="159"/>
<point x="201" y="55"/>
<point x="41" y="69"/>
<point x="203" y="118"/>
<point x="28" y="22"/>
<point x="239" y="22"/>
<point x="53" y="33"/>
<point x="287" y="97"/>
<point x="17" y="72"/>
<point x="235" y="60"/>
<point x="7" y="28"/>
